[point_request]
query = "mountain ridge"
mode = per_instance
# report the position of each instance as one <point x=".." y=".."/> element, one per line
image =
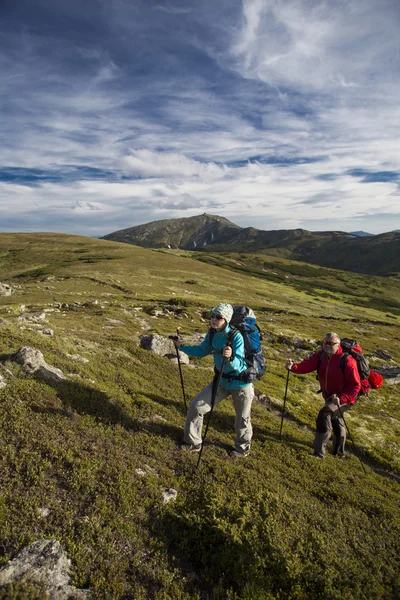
<point x="369" y="254"/>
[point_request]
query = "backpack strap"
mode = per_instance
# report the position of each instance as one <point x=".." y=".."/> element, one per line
<point x="321" y="356"/>
<point x="343" y="359"/>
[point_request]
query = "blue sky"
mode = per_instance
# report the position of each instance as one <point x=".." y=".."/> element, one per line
<point x="276" y="114"/>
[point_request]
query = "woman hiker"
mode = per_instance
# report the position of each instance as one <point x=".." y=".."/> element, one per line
<point x="223" y="346"/>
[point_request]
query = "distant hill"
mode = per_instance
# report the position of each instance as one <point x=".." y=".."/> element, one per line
<point x="372" y="254"/>
<point x="361" y="233"/>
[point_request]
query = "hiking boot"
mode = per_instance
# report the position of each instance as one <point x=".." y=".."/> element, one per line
<point x="316" y="455"/>
<point x="190" y="447"/>
<point x="236" y="454"/>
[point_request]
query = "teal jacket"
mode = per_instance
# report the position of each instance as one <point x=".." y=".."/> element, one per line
<point x="233" y="366"/>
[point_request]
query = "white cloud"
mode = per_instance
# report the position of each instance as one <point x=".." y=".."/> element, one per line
<point x="147" y="163"/>
<point x="179" y="100"/>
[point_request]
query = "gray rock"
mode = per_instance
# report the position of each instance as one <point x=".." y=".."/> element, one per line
<point x="35" y="316"/>
<point x="168" y="495"/>
<point x="182" y="357"/>
<point x="2" y="382"/>
<point x="389" y="372"/>
<point x="43" y="562"/>
<point x="5" y="290"/>
<point x="47" y="331"/>
<point x="33" y="362"/>
<point x="158" y="344"/>
<point x="383" y="354"/>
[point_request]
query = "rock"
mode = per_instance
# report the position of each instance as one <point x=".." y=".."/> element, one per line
<point x="78" y="357"/>
<point x="168" y="495"/>
<point x="182" y="357"/>
<point x="43" y="562"/>
<point x="383" y="354"/>
<point x="33" y="362"/>
<point x="389" y="372"/>
<point x="2" y="382"/>
<point x="35" y="316"/>
<point x="47" y="331"/>
<point x="157" y="344"/>
<point x="140" y="472"/>
<point x="5" y="290"/>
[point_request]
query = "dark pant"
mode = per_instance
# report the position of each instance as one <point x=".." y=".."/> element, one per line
<point x="328" y="419"/>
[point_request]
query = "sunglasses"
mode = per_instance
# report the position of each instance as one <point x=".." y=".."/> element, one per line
<point x="218" y="317"/>
<point x="329" y="343"/>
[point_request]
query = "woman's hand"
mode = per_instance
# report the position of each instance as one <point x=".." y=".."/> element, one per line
<point x="227" y="352"/>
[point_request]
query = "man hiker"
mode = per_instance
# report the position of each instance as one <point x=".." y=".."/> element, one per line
<point x="231" y="348"/>
<point x="339" y="388"/>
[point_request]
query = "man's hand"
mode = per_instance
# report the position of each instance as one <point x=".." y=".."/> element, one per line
<point x="227" y="352"/>
<point x="333" y="402"/>
<point x="289" y="364"/>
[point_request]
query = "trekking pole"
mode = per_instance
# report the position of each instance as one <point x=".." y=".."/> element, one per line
<point x="284" y="403"/>
<point x="352" y="441"/>
<point x="172" y="337"/>
<point x="213" y="396"/>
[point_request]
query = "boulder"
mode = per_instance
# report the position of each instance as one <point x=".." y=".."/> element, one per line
<point x="157" y="344"/>
<point x="34" y="316"/>
<point x="43" y="562"/>
<point x="182" y="357"/>
<point x="168" y="495"/>
<point x="383" y="354"/>
<point x="5" y="290"/>
<point x="33" y="362"/>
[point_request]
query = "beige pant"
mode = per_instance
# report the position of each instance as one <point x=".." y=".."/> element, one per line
<point x="201" y="405"/>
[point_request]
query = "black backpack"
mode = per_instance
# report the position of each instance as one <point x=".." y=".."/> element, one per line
<point x="244" y="321"/>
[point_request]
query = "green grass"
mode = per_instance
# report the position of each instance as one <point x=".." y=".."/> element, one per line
<point x="279" y="525"/>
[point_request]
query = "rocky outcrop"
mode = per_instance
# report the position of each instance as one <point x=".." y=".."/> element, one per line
<point x="43" y="562"/>
<point x="34" y="317"/>
<point x="384" y="354"/>
<point x="33" y="362"/>
<point x="5" y="290"/>
<point x="163" y="347"/>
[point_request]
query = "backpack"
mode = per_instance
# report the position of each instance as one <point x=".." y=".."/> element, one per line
<point x="369" y="379"/>
<point x="244" y="321"/>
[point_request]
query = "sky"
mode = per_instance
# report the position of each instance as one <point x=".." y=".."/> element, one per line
<point x="276" y="114"/>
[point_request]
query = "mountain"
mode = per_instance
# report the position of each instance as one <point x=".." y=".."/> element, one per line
<point x="375" y="254"/>
<point x="361" y="233"/>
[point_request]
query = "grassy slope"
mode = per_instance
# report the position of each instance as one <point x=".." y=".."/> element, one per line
<point x="279" y="525"/>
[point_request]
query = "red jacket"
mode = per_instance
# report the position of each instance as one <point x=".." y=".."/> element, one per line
<point x="331" y="378"/>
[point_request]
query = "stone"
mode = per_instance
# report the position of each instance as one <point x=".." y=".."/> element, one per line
<point x="182" y="357"/>
<point x="32" y="361"/>
<point x="5" y="289"/>
<point x="47" y="331"/>
<point x="78" y="357"/>
<point x="383" y="354"/>
<point x="157" y="344"/>
<point x="34" y="316"/>
<point x="43" y="562"/>
<point x="168" y="495"/>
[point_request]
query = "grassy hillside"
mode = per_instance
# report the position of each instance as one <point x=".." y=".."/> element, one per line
<point x="85" y="461"/>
